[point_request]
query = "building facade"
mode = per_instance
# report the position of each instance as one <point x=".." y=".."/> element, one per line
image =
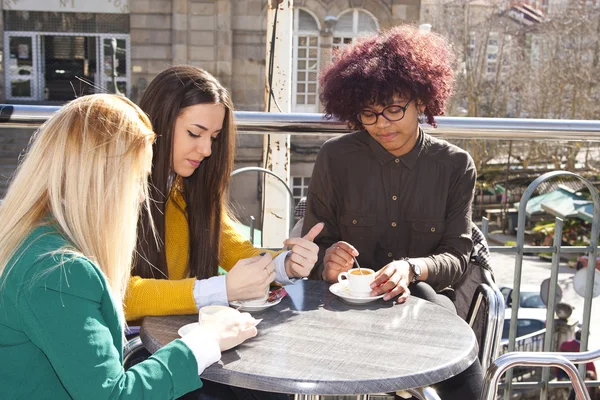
<point x="55" y="50"/>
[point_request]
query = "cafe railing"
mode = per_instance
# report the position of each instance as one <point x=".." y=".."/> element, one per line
<point x="317" y="124"/>
<point x="460" y="128"/>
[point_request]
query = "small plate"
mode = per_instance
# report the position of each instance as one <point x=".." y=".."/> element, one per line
<point x="249" y="308"/>
<point x="184" y="330"/>
<point x="342" y="292"/>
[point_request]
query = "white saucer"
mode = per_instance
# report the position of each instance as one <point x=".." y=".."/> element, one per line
<point x="249" y="308"/>
<point x="184" y="330"/>
<point x="342" y="292"/>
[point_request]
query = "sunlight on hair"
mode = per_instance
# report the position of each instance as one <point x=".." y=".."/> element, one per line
<point x="84" y="171"/>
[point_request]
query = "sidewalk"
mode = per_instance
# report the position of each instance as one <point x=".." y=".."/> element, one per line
<point x="497" y="238"/>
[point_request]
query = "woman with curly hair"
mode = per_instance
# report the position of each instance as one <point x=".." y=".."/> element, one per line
<point x="391" y="195"/>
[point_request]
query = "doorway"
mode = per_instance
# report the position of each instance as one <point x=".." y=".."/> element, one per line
<point x="70" y="64"/>
<point x="52" y="67"/>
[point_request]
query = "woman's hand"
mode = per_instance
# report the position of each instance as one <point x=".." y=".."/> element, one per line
<point x="250" y="278"/>
<point x="230" y="330"/>
<point x="338" y="258"/>
<point x="393" y="279"/>
<point x="304" y="253"/>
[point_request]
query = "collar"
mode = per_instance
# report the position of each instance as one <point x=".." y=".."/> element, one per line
<point x="383" y="156"/>
<point x="175" y="181"/>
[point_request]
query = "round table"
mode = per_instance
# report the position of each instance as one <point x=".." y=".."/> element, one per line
<point x="313" y="342"/>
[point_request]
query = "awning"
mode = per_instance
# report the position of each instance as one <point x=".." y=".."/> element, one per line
<point x="561" y="202"/>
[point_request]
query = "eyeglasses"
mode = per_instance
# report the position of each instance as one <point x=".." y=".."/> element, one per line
<point x="392" y="113"/>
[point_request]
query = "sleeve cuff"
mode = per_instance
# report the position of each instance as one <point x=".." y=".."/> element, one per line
<point x="280" y="275"/>
<point x="211" y="291"/>
<point x="205" y="348"/>
<point x="433" y="270"/>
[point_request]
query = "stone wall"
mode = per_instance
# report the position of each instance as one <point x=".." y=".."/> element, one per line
<point x="172" y="32"/>
<point x="151" y="41"/>
<point x="249" y="54"/>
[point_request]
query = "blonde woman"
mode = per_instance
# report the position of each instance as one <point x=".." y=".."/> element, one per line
<point x="67" y="235"/>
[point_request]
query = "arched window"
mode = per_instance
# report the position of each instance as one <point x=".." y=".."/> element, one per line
<point x="352" y="24"/>
<point x="305" y="62"/>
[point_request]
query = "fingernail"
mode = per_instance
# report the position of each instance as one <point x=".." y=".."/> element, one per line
<point x="385" y="298"/>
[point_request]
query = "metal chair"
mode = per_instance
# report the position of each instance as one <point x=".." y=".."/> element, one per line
<point x="485" y="302"/>
<point x="278" y="178"/>
<point x="134" y="352"/>
<point x="564" y="361"/>
<point x="486" y="317"/>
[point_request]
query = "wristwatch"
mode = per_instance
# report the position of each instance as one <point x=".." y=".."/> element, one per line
<point x="414" y="268"/>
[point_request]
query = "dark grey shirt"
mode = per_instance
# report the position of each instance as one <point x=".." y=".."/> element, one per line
<point x="417" y="205"/>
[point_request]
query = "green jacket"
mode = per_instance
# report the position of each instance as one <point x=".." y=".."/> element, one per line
<point x="61" y="334"/>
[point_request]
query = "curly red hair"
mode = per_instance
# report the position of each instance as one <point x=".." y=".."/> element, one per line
<point x="401" y="60"/>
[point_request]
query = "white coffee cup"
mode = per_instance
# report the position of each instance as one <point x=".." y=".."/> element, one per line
<point x="209" y="314"/>
<point x="358" y="284"/>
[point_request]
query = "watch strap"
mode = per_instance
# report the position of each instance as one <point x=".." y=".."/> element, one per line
<point x="416" y="270"/>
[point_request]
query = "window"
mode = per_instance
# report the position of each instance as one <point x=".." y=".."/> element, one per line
<point x="471" y="48"/>
<point x="57" y="67"/>
<point x="352" y="24"/>
<point x="300" y="187"/>
<point x="305" y="62"/>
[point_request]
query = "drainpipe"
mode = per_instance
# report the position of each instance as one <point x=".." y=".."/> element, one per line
<point x="276" y="149"/>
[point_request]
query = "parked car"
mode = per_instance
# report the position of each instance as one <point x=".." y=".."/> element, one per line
<point x="531" y="326"/>
<point x="532" y="310"/>
<point x="529" y="297"/>
<point x="529" y="320"/>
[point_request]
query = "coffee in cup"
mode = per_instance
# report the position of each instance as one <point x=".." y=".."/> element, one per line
<point x="358" y="281"/>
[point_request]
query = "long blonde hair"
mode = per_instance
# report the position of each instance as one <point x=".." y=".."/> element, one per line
<point x="85" y="171"/>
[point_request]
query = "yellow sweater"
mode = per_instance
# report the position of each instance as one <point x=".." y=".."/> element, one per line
<point x="175" y="295"/>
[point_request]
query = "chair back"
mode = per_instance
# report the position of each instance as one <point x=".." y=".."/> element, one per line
<point x="479" y="301"/>
<point x="478" y="271"/>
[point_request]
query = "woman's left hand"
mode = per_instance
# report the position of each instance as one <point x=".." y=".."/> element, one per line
<point x="304" y="253"/>
<point x="393" y="280"/>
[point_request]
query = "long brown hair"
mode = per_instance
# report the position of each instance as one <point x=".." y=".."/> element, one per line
<point x="205" y="190"/>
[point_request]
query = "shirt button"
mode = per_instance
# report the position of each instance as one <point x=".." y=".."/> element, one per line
<point x="397" y="160"/>
<point x="394" y="198"/>
<point x="390" y="255"/>
<point x="393" y="224"/>
<point x="432" y="229"/>
<point x="354" y="221"/>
